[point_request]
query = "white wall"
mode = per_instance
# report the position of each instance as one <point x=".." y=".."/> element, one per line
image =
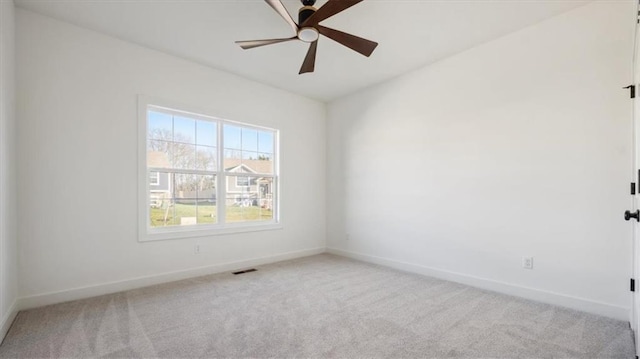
<point x="519" y="147"/>
<point x="78" y="172"/>
<point x="8" y="184"/>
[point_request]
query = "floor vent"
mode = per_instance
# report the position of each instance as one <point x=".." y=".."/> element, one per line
<point x="245" y="271"/>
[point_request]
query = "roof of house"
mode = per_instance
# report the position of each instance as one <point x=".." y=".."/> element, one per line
<point x="257" y="166"/>
<point x="158" y="159"/>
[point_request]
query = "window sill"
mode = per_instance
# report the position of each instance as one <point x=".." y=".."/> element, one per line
<point x="180" y="233"/>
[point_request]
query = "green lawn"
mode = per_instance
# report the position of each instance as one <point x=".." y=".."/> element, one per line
<point x="206" y="213"/>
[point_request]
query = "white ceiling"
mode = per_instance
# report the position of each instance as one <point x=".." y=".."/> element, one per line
<point x="410" y="33"/>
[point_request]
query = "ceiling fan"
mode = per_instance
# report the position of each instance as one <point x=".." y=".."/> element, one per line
<point x="308" y="30"/>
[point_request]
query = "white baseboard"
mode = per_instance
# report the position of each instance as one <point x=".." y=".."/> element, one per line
<point x="581" y="304"/>
<point x="7" y="320"/>
<point x="128" y="284"/>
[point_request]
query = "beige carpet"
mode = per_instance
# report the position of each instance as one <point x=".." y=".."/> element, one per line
<point x="320" y="306"/>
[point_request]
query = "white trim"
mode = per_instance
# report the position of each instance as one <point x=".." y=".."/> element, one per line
<point x="635" y="248"/>
<point x="143" y="183"/>
<point x="140" y="282"/>
<point x="177" y="232"/>
<point x="176" y="112"/>
<point x="8" y="319"/>
<point x="582" y="304"/>
<point x="275" y="205"/>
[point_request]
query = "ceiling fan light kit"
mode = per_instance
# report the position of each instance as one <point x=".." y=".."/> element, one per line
<point x="308" y="34"/>
<point x="308" y="30"/>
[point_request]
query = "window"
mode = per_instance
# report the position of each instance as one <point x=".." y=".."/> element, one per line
<point x="154" y="178"/>
<point x="203" y="175"/>
<point x="242" y="181"/>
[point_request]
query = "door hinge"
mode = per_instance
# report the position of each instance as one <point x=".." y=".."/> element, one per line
<point x="632" y="90"/>
<point x="633" y="188"/>
<point x="633" y="285"/>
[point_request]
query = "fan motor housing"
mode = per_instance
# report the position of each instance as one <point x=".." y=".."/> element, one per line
<point x="305" y="12"/>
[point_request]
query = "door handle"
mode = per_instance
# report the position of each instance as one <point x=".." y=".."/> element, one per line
<point x="628" y="215"/>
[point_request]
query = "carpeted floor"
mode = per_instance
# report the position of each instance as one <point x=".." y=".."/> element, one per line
<point x="320" y="306"/>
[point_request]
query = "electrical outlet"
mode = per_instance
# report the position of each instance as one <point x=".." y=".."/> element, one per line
<point x="527" y="262"/>
<point x="196" y="249"/>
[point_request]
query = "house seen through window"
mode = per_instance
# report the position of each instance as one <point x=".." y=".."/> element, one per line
<point x="207" y="172"/>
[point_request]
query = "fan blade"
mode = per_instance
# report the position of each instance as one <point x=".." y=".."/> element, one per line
<point x="329" y="9"/>
<point x="358" y="44"/>
<point x="257" y="43"/>
<point x="280" y="9"/>
<point x="309" y="63"/>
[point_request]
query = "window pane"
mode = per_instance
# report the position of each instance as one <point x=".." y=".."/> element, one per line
<point x="206" y="194"/>
<point x="206" y="133"/>
<point x="159" y="126"/>
<point x="248" y="199"/>
<point x="265" y="164"/>
<point x="206" y="188"/>
<point x="159" y="146"/>
<point x="183" y="156"/>
<point x="207" y="212"/>
<point x="161" y="192"/>
<point x="249" y="140"/>
<point x="265" y="142"/>
<point x="232" y="135"/>
<point x="160" y="184"/>
<point x="158" y="154"/>
<point x="162" y="211"/>
<point x="186" y="186"/>
<point x="186" y="212"/>
<point x="183" y="199"/>
<point x="206" y="158"/>
<point x="184" y="130"/>
<point x="232" y="159"/>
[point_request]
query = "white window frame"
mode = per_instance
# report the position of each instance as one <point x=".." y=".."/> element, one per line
<point x="157" y="181"/>
<point x="148" y="233"/>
